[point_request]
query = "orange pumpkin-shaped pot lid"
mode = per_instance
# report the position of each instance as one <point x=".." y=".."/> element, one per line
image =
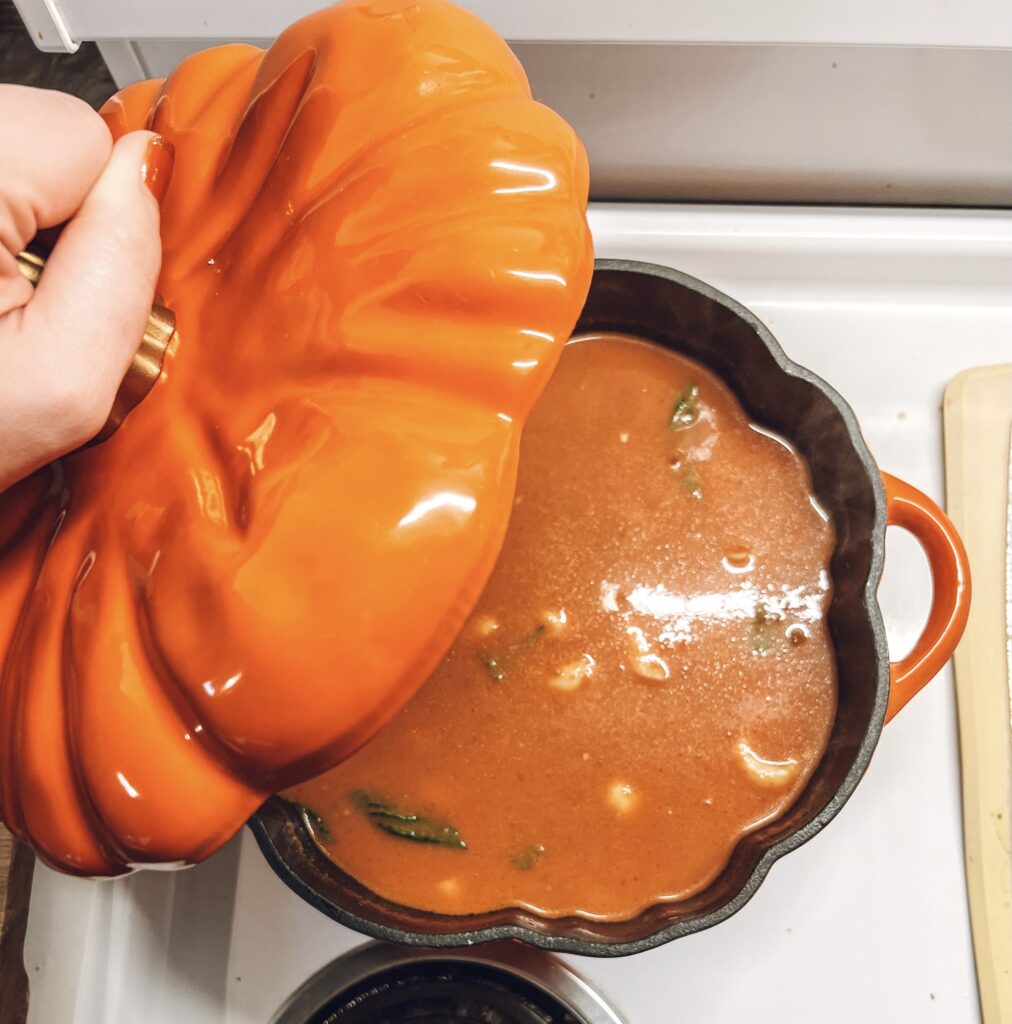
<point x="375" y="247"/>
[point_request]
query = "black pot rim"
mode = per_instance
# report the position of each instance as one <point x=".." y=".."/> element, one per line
<point x="562" y="943"/>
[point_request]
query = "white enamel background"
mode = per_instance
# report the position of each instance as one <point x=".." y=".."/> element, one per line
<point x="731" y="123"/>
<point x="903" y="22"/>
<point x="866" y="923"/>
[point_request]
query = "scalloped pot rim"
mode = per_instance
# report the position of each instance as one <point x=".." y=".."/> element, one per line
<point x="674" y="309"/>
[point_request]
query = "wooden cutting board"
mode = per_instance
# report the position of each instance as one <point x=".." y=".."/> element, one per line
<point x="978" y="420"/>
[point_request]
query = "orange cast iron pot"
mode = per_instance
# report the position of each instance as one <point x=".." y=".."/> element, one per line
<point x="694" y="319"/>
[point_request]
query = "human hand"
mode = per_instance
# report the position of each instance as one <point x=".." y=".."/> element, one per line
<point x="66" y="346"/>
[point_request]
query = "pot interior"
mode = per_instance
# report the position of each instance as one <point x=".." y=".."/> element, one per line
<point x="688" y="316"/>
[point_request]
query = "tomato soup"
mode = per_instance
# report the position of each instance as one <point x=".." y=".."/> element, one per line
<point x="647" y="677"/>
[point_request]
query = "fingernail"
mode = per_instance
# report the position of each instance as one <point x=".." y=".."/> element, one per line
<point x="156" y="171"/>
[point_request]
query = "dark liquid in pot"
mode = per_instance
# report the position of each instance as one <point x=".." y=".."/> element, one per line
<point x="647" y="678"/>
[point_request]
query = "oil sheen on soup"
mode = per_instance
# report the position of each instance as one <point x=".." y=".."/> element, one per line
<point x="647" y="677"/>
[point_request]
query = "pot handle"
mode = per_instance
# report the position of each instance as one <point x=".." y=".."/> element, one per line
<point x="914" y="511"/>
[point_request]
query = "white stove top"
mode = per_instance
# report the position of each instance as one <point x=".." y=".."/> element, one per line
<point x="868" y="922"/>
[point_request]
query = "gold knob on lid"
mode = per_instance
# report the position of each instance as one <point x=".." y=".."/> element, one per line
<point x="146" y="364"/>
<point x="31" y="266"/>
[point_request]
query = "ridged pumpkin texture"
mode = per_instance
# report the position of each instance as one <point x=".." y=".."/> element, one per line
<point x="375" y="247"/>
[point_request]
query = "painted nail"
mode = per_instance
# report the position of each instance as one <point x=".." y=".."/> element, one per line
<point x="156" y="171"/>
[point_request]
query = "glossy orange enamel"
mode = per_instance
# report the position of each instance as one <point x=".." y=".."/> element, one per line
<point x="914" y="511"/>
<point x="375" y="246"/>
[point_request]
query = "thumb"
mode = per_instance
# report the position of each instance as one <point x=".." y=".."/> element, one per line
<point x="89" y="311"/>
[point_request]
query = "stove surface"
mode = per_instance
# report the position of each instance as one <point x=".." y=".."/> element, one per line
<point x="502" y="983"/>
<point x="868" y="922"/>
